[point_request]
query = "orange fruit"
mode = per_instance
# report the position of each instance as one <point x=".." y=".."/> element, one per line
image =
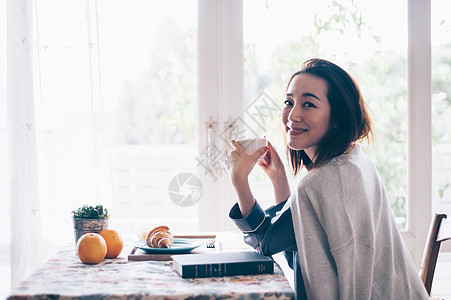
<point x="113" y="241"/>
<point x="91" y="248"/>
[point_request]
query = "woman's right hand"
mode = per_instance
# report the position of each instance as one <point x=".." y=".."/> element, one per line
<point x="239" y="164"/>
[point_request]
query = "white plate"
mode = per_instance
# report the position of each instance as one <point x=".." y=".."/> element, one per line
<point x="180" y="246"/>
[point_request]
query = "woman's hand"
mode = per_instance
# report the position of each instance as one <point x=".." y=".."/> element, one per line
<point x="274" y="168"/>
<point x="239" y="164"/>
<point x="272" y="164"/>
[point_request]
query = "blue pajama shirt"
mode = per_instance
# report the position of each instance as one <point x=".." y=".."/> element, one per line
<point x="270" y="232"/>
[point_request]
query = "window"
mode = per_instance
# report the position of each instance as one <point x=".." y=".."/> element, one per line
<point x="148" y="66"/>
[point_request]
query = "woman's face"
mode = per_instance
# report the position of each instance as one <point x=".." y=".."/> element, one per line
<point x="306" y="113"/>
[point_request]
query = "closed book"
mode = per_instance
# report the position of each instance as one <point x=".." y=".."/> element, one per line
<point x="222" y="264"/>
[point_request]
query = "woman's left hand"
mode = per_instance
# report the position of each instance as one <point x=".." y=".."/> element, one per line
<point x="272" y="164"/>
<point x="274" y="168"/>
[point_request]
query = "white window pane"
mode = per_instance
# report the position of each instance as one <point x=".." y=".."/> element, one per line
<point x="279" y="36"/>
<point x="441" y="106"/>
<point x="149" y="83"/>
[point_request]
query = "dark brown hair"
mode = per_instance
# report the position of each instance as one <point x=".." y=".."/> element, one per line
<point x="349" y="117"/>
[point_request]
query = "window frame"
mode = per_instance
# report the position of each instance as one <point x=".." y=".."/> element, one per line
<point x="221" y="79"/>
<point x="419" y="127"/>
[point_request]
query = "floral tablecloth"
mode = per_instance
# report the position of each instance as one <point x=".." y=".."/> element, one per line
<point x="65" y="277"/>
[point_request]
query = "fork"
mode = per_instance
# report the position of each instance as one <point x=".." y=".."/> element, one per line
<point x="211" y="244"/>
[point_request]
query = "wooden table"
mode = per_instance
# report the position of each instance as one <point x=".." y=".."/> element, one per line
<point x="65" y="277"/>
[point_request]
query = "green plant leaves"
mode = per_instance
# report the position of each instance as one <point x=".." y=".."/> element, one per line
<point x="91" y="212"/>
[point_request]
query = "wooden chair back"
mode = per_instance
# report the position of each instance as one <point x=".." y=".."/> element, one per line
<point x="439" y="231"/>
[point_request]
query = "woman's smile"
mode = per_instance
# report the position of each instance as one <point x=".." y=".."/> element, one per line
<point x="293" y="130"/>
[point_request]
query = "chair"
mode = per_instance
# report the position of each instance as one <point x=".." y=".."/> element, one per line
<point x="439" y="231"/>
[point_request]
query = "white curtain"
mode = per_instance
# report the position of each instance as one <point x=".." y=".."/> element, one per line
<point x="21" y="130"/>
<point x="56" y="158"/>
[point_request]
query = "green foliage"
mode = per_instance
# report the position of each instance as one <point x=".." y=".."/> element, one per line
<point x="91" y="212"/>
<point x="344" y="16"/>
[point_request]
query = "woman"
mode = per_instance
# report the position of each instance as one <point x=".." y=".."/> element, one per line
<point x="336" y="227"/>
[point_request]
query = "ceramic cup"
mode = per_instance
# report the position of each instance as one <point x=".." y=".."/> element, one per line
<point x="251" y="145"/>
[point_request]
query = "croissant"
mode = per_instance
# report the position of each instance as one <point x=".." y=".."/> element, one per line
<point x="160" y="237"/>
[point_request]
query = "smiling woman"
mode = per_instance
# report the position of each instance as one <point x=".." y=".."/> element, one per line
<point x="316" y="114"/>
<point x="339" y="212"/>
<point x="392" y="71"/>
<point x="306" y="113"/>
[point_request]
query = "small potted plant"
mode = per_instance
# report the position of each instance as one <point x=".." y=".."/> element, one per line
<point x="89" y="219"/>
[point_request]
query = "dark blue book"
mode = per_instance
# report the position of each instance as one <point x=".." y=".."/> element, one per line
<point x="222" y="264"/>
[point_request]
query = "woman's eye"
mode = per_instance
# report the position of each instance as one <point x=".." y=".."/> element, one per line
<point x="287" y="102"/>
<point x="309" y="104"/>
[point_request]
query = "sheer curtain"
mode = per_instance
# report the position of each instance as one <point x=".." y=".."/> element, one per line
<point x="56" y="158"/>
